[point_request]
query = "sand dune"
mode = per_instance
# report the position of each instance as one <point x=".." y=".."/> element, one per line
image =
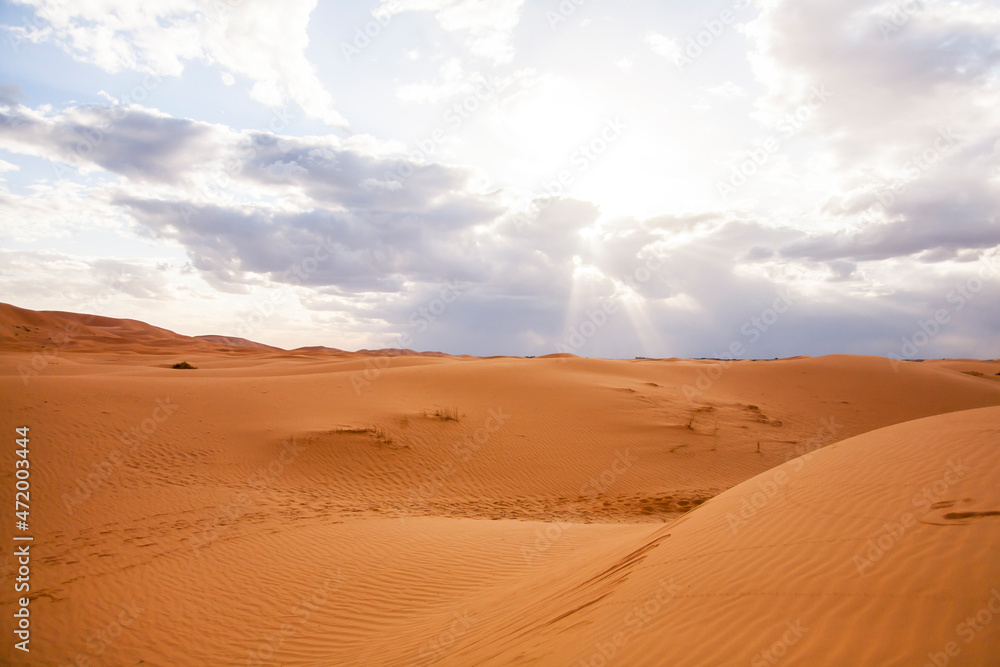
<point x="40" y="331"/>
<point x="873" y="551"/>
<point x="316" y="507"/>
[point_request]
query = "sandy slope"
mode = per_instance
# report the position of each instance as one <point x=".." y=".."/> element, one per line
<point x="314" y="507"/>
<point x="874" y="551"/>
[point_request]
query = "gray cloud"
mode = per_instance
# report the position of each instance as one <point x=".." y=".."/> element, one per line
<point x="250" y="208"/>
<point x="885" y="88"/>
<point x="354" y="252"/>
<point x="11" y="94"/>
<point x="140" y="145"/>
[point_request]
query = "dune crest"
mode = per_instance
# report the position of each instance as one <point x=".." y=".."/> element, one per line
<point x="880" y="549"/>
<point x="316" y="507"/>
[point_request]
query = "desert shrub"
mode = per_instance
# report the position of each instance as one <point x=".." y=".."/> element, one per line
<point x="446" y="414"/>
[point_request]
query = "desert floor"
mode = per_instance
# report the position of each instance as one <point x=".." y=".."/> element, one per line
<point x="314" y="507"/>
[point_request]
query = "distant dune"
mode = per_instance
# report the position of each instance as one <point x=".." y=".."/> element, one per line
<point x="319" y="507"/>
<point x="322" y="349"/>
<point x="22" y="329"/>
<point x="25" y="329"/>
<point x="233" y="341"/>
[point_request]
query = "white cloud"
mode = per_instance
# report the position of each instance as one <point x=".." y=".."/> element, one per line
<point x="663" y="46"/>
<point x="262" y="40"/>
<point x="903" y="142"/>
<point x="59" y="209"/>
<point x="246" y="206"/>
<point x="376" y="185"/>
<point x="451" y="81"/>
<point x="938" y="67"/>
<point x="487" y="26"/>
<point x="727" y="90"/>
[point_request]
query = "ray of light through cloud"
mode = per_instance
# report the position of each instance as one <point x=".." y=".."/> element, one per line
<point x="587" y="177"/>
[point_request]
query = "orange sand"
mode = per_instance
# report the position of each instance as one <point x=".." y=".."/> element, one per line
<point x="319" y="507"/>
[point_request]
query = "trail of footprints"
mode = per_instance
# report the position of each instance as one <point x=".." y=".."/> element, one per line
<point x="95" y="551"/>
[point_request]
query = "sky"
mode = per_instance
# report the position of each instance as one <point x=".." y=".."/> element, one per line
<point x="746" y="179"/>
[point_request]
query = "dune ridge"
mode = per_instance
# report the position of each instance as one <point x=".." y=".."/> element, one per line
<point x="314" y="507"/>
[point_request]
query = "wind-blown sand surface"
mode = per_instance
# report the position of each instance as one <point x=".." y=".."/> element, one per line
<point x="318" y="507"/>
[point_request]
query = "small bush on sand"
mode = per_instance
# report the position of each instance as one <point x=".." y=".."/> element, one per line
<point x="446" y="414"/>
<point x="183" y="364"/>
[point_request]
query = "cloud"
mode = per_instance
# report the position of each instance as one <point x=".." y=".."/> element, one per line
<point x="138" y="143"/>
<point x="87" y="284"/>
<point x="362" y="249"/>
<point x="938" y="68"/>
<point x="215" y="163"/>
<point x="904" y="146"/>
<point x="451" y="81"/>
<point x="375" y="185"/>
<point x="58" y="210"/>
<point x="726" y="90"/>
<point x="486" y="26"/>
<point x="11" y="94"/>
<point x="263" y="41"/>
<point x="391" y="220"/>
<point x="663" y="46"/>
<point x="245" y="203"/>
<point x="370" y="235"/>
<point x="882" y="200"/>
